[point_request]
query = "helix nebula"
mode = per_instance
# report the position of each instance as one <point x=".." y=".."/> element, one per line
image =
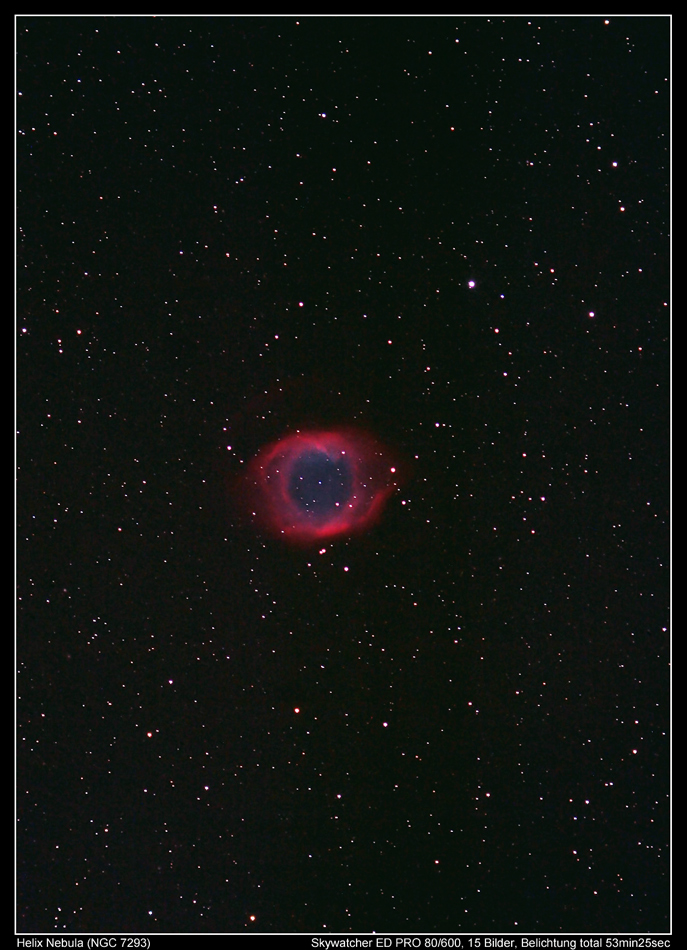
<point x="312" y="485"/>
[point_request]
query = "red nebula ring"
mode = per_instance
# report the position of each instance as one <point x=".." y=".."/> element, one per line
<point x="318" y="484"/>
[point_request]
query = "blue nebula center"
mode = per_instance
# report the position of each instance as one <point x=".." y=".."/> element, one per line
<point x="320" y="484"/>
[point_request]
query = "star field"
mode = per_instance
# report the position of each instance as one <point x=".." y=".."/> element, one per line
<point x="451" y="234"/>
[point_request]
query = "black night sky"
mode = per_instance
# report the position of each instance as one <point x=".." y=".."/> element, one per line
<point x="451" y="235"/>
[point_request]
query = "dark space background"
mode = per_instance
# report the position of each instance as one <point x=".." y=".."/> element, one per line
<point x="451" y="233"/>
